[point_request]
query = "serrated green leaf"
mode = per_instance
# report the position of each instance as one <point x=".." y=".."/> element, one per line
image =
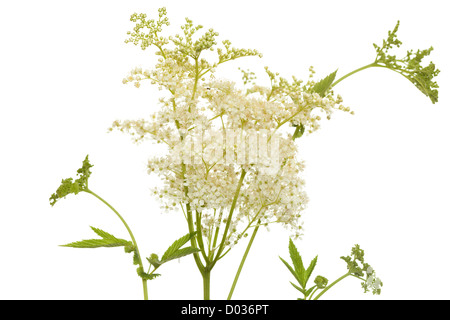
<point x="177" y="245"/>
<point x="145" y="275"/>
<point x="103" y="234"/>
<point x="323" y="85"/>
<point x="297" y="287"/>
<point x="181" y="253"/>
<point x="148" y="276"/>
<point x="108" y="241"/>
<point x="298" y="263"/>
<point x="308" y="292"/>
<point x="96" y="243"/>
<point x="296" y="276"/>
<point x="310" y="269"/>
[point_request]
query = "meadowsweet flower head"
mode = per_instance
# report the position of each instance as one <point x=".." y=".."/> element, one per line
<point x="213" y="130"/>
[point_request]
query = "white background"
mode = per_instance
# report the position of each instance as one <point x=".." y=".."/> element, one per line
<point x="379" y="178"/>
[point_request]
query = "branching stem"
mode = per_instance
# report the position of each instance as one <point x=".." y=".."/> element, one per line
<point x="144" y="281"/>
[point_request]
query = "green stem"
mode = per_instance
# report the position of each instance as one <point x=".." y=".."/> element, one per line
<point x="144" y="285"/>
<point x="200" y="237"/>
<point x="230" y="215"/>
<point x="242" y="262"/>
<point x="195" y="83"/>
<point x="331" y="285"/>
<point x="144" y="282"/>
<point x="206" y="284"/>
<point x="373" y="64"/>
<point x="216" y="234"/>
<point x="197" y="259"/>
<point x="312" y="293"/>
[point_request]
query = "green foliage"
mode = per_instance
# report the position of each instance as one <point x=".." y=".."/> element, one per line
<point x="146" y="276"/>
<point x="354" y="261"/>
<point x="310" y="269"/>
<point x="154" y="260"/>
<point x="69" y="186"/>
<point x="324" y="85"/>
<point x="129" y="248"/>
<point x="298" y="263"/>
<point x="181" y="253"/>
<point x="321" y="282"/>
<point x="136" y="258"/>
<point x="296" y="276"/>
<point x="107" y="241"/>
<point x="355" y="265"/>
<point x="359" y="268"/>
<point x="299" y="131"/>
<point x="174" y="251"/>
<point x="298" y="270"/>
<point x="409" y="66"/>
<point x="84" y="173"/>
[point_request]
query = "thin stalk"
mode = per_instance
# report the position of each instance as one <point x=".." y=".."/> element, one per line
<point x="195" y="83"/>
<point x="144" y="281"/>
<point x="195" y="80"/>
<point x="373" y="64"/>
<point x="312" y="293"/>
<point x="331" y="285"/>
<point x="230" y="215"/>
<point x="216" y="234"/>
<point x="242" y="262"/>
<point x="200" y="236"/>
<point x="197" y="259"/>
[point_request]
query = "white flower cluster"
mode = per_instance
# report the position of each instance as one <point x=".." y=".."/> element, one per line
<point x="373" y="283"/>
<point x="215" y="131"/>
